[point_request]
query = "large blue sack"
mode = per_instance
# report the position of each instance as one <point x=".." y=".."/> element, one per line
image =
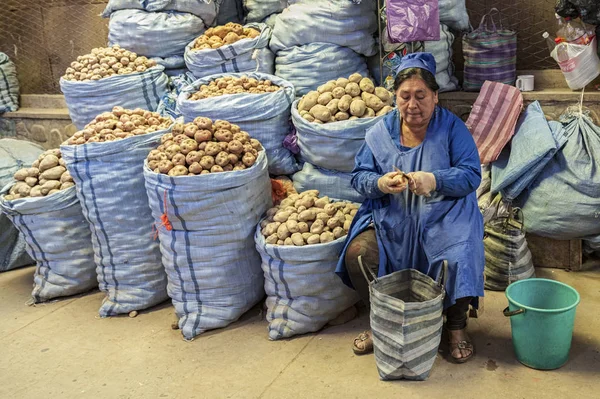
<point x="563" y="201"/>
<point x="308" y="67"/>
<point x="9" y="85"/>
<point x="339" y="22"/>
<point x="229" y="11"/>
<point x="454" y="14"/>
<point x="205" y="9"/>
<point x="331" y="145"/>
<point x="14" y="155"/>
<point x="442" y="52"/>
<point x="246" y="55"/>
<point x="86" y="100"/>
<point x="303" y="291"/>
<point x="58" y="239"/>
<point x="110" y="185"/>
<point x="331" y="183"/>
<point x="266" y="117"/>
<point x="209" y="255"/>
<point x="153" y="34"/>
<point x="532" y="147"/>
<point x="258" y="10"/>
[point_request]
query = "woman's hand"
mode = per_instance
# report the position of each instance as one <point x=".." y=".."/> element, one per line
<point x="392" y="183"/>
<point x="421" y="183"/>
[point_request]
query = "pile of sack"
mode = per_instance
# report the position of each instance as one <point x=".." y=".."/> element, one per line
<point x="9" y="85"/>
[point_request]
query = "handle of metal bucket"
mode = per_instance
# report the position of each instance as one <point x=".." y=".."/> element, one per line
<point x="443" y="276"/>
<point x="510" y="313"/>
<point x="364" y="272"/>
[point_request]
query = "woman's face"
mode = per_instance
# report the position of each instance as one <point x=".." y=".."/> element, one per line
<point x="416" y="102"/>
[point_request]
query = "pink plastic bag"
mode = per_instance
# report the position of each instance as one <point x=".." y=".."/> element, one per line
<point x="413" y="20"/>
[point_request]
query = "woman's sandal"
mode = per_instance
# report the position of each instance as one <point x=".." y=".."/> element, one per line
<point x="367" y="339"/>
<point x="462" y="345"/>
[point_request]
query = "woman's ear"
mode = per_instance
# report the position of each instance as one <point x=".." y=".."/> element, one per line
<point x="435" y="97"/>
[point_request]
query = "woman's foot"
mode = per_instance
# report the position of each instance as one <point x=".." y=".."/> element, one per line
<point x="461" y="347"/>
<point x="363" y="344"/>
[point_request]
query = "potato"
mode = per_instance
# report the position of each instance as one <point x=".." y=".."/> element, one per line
<point x="283" y="232"/>
<point x="313" y="239"/>
<point x="309" y="193"/>
<point x="332" y="106"/>
<point x="327" y="87"/>
<point x="321" y="113"/>
<point x="341" y="116"/>
<point x="369" y="113"/>
<point x="53" y="173"/>
<point x="188" y="145"/>
<point x="317" y="227"/>
<point x="341" y="82"/>
<point x="322" y="216"/>
<point x="271" y="228"/>
<point x="303" y="227"/>
<point x="339" y="92"/>
<point x="334" y="222"/>
<point x="178" y="170"/>
<point x="22" y="189"/>
<point x="372" y="101"/>
<point x="282" y="216"/>
<point x="21" y="174"/>
<point x="297" y="239"/>
<point x="322" y="202"/>
<point x="358" y="108"/>
<point x="272" y="239"/>
<point x="355" y="78"/>
<point x="384" y="95"/>
<point x="326" y="236"/>
<point x="212" y="149"/>
<point x="325" y="98"/>
<point x="309" y="101"/>
<point x="280" y="242"/>
<point x="223" y="135"/>
<point x="309" y="117"/>
<point x="48" y="162"/>
<point x="50" y="185"/>
<point x="384" y="110"/>
<point x="307" y="215"/>
<point x="248" y="159"/>
<point x="367" y="85"/>
<point x="195" y="168"/>
<point x="31" y="181"/>
<point x="216" y="169"/>
<point x="347" y="225"/>
<point x="352" y="89"/>
<point x="338" y="232"/>
<point x="222" y="159"/>
<point x="292" y="226"/>
<point x="35" y="192"/>
<point x="344" y="103"/>
<point x="305" y="201"/>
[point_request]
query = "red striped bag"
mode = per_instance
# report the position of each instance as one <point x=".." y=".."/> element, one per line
<point x="493" y="118"/>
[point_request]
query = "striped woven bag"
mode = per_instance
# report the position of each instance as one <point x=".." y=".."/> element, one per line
<point x="490" y="54"/>
<point x="406" y="322"/>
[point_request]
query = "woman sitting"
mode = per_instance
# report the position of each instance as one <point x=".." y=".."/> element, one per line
<point x="419" y="169"/>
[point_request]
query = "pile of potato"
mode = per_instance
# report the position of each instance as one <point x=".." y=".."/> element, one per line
<point x="305" y="219"/>
<point x="232" y="85"/>
<point x="345" y="99"/>
<point x="222" y="35"/>
<point x="202" y="147"/>
<point x="47" y="175"/>
<point x="106" y="61"/>
<point x="119" y="124"/>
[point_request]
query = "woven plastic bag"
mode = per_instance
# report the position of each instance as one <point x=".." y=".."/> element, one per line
<point x="264" y="116"/>
<point x="247" y="55"/>
<point x="258" y="10"/>
<point x="490" y="54"/>
<point x="208" y="251"/>
<point x="303" y="291"/>
<point x="331" y="183"/>
<point x="9" y="85"/>
<point x="154" y="34"/>
<point x="58" y="239"/>
<point x="307" y="67"/>
<point x="86" y="100"/>
<point x="110" y="185"/>
<point x="205" y="9"/>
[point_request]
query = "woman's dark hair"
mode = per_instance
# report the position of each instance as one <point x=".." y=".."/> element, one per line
<point x="424" y="74"/>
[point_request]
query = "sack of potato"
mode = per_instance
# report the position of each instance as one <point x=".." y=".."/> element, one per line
<point x="310" y="66"/>
<point x="106" y="161"/>
<point x="42" y="204"/>
<point x="154" y="34"/>
<point x="205" y="209"/>
<point x="299" y="242"/>
<point x="331" y="183"/>
<point x="205" y="9"/>
<point x="258" y="10"/>
<point x="13" y="155"/>
<point x="340" y="22"/>
<point x="258" y="103"/>
<point x="231" y="48"/>
<point x="337" y="115"/>
<point x="109" y="77"/>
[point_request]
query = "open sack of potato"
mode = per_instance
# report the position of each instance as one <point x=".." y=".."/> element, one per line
<point x="106" y="160"/>
<point x="258" y="103"/>
<point x="331" y="183"/>
<point x="43" y="206"/>
<point x="109" y="77"/>
<point x="335" y="116"/>
<point x="208" y="186"/>
<point x="231" y="48"/>
<point x="299" y="242"/>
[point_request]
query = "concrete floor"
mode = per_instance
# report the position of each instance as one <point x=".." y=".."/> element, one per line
<point x="63" y="350"/>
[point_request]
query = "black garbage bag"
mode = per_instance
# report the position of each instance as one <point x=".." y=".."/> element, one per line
<point x="588" y="10"/>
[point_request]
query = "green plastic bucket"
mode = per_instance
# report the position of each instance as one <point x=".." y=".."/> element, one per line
<point x="542" y="316"/>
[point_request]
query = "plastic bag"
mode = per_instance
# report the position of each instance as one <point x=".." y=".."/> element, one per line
<point x="410" y="21"/>
<point x="588" y="10"/>
<point x="331" y="183"/>
<point x="307" y="67"/>
<point x="229" y="11"/>
<point x="9" y="85"/>
<point x="247" y="55"/>
<point x="205" y="9"/>
<point x="338" y="22"/>
<point x="86" y="100"/>
<point x="154" y="34"/>
<point x="442" y="52"/>
<point x="58" y="239"/>
<point x="266" y="117"/>
<point x="209" y="255"/>
<point x="110" y="185"/>
<point x="303" y="291"/>
<point x="582" y="65"/>
<point x="258" y="10"/>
